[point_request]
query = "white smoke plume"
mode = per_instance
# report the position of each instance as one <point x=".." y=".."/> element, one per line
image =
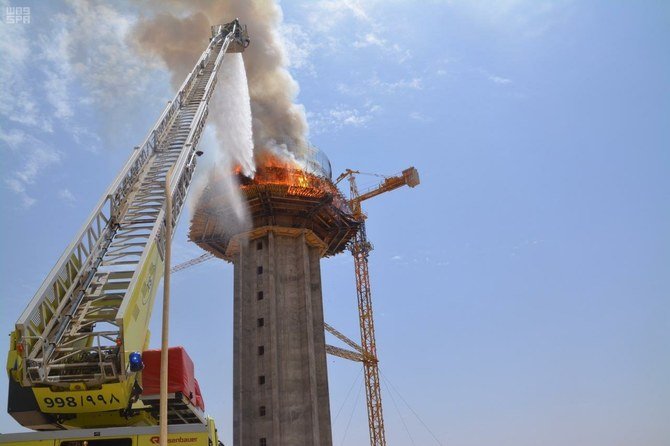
<point x="179" y="32"/>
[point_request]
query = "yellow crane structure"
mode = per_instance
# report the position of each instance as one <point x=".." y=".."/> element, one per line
<point x="360" y="248"/>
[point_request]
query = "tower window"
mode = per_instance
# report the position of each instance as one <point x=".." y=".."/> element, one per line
<point x="260" y="295"/>
<point x="261" y="350"/>
<point x="260" y="270"/>
<point x="261" y="411"/>
<point x="261" y="380"/>
<point x="262" y="442"/>
<point x="259" y="246"/>
<point x="260" y="321"/>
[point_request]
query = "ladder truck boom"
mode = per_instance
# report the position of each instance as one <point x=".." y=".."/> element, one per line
<point x="73" y="357"/>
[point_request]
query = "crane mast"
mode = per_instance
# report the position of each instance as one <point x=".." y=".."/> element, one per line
<point x="360" y="248"/>
<point x="70" y="359"/>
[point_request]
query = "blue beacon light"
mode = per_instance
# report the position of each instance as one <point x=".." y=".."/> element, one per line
<point x="135" y="360"/>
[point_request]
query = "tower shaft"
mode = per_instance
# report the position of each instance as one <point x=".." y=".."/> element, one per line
<point x="280" y="376"/>
<point x="280" y="388"/>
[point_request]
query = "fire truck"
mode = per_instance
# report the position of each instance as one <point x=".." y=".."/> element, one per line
<point x="79" y="369"/>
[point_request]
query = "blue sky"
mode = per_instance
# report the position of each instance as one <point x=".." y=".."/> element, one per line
<point x="521" y="291"/>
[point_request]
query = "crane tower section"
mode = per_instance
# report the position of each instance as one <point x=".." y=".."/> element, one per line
<point x="360" y="248"/>
<point x="73" y="353"/>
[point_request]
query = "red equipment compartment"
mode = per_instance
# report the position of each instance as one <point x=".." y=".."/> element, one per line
<point x="181" y="375"/>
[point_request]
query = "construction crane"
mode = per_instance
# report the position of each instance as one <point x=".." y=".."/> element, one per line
<point x="360" y="248"/>
<point x="75" y="355"/>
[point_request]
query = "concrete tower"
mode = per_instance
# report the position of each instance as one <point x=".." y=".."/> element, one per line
<point x="280" y="376"/>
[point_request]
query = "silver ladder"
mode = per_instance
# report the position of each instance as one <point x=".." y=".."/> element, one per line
<point x="72" y="330"/>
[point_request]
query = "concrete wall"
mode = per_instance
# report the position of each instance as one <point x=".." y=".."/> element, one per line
<point x="287" y="322"/>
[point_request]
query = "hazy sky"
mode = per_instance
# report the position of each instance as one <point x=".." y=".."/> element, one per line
<point x="521" y="291"/>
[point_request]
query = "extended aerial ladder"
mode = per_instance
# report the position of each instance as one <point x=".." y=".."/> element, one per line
<point x="73" y="355"/>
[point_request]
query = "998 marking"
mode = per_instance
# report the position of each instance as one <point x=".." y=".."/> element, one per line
<point x="60" y="402"/>
<point x="71" y="401"/>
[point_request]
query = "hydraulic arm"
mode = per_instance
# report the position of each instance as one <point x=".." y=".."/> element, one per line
<point x="73" y="357"/>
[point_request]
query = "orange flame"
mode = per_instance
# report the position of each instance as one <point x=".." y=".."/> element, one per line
<point x="272" y="170"/>
<point x="275" y="170"/>
<point x="283" y="171"/>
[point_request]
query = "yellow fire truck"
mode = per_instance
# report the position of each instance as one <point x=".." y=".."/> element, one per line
<point x="78" y="366"/>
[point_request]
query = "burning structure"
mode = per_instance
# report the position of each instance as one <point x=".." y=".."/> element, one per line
<point x="297" y="217"/>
